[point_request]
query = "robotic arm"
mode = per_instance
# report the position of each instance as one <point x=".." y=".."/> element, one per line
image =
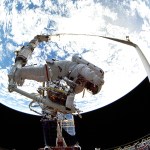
<point x="26" y="51"/>
<point x="22" y="57"/>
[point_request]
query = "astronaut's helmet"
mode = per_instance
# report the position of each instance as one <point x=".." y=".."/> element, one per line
<point x="91" y="87"/>
<point x="94" y="85"/>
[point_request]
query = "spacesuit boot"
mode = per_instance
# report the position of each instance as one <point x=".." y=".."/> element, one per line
<point x="70" y="102"/>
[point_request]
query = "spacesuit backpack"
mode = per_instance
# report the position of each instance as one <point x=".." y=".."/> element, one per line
<point x="92" y="73"/>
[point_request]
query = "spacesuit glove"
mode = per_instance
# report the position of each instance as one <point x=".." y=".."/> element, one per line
<point x="18" y="79"/>
<point x="20" y="82"/>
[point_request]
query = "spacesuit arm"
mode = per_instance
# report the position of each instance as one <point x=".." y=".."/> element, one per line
<point x="39" y="74"/>
<point x="22" y="57"/>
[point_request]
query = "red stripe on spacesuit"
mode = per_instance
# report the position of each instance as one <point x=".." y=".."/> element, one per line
<point x="47" y="75"/>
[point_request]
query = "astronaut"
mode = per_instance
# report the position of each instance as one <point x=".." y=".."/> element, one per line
<point x="81" y="72"/>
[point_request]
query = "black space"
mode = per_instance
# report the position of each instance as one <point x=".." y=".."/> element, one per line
<point x="116" y="124"/>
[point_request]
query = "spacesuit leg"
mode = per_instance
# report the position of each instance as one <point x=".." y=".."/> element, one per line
<point x="40" y="74"/>
<point x="70" y="101"/>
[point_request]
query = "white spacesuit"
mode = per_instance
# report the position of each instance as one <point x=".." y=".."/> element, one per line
<point x="80" y="71"/>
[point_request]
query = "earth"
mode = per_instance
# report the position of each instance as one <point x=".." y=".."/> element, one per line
<point x="80" y="24"/>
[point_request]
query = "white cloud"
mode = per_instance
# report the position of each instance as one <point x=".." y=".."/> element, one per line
<point x="83" y="17"/>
